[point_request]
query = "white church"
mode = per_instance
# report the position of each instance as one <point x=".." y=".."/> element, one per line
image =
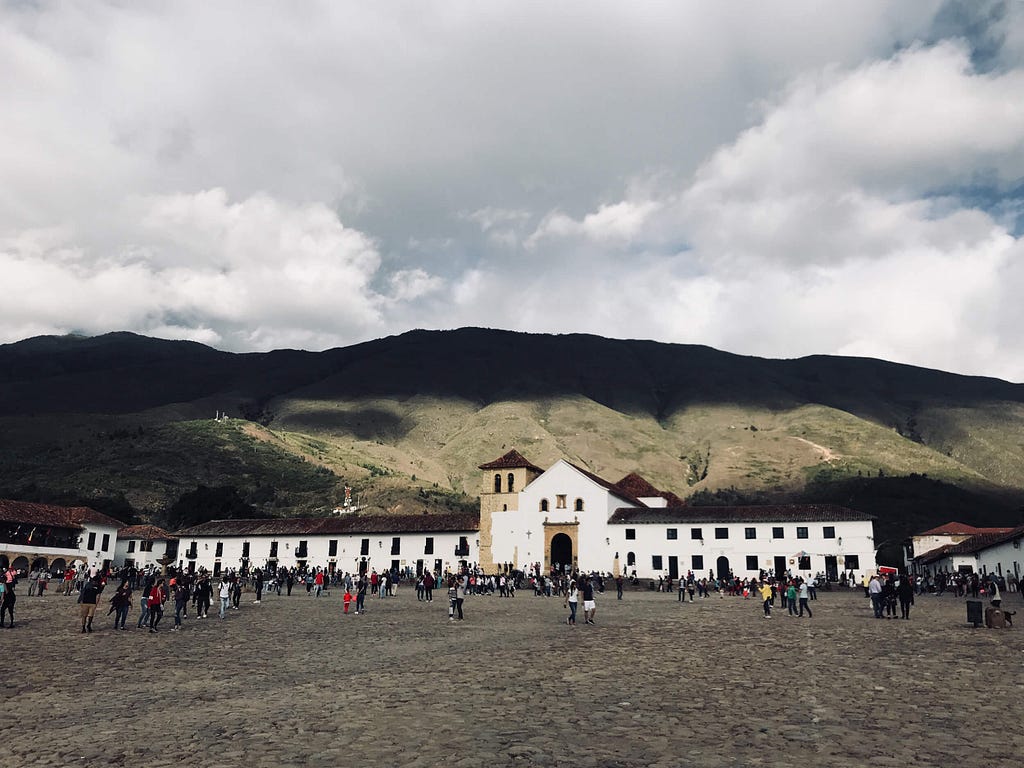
<point x="568" y="518"/>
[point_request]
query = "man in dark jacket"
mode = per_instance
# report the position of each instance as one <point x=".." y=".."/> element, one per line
<point x="87" y="598"/>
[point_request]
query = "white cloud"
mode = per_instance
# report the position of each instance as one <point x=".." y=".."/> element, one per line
<point x="779" y="178"/>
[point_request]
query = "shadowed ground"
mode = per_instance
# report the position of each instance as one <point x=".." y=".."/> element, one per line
<point x="293" y="682"/>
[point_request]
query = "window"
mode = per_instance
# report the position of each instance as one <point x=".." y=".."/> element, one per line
<point x="560" y="501"/>
<point x="750" y="533"/>
<point x="698" y="563"/>
<point x="428" y="547"/>
<point x="630" y="534"/>
<point x="656" y="562"/>
<point x="751" y="562"/>
<point x="511" y="483"/>
<point x="245" y="549"/>
<point x="332" y="548"/>
<point x="364" y="547"/>
<point x="462" y="550"/>
<point x="131" y="546"/>
<point x="273" y="549"/>
<point x="829" y="532"/>
<point x="578" y="506"/>
<point x="804" y="563"/>
<point x="672" y="534"/>
<point x="497" y="483"/>
<point x="697" y="533"/>
<point x="801" y="531"/>
<point x="300" y="551"/>
<point x="851" y="562"/>
<point x="106" y="542"/>
<point x="396" y="545"/>
<point x="543" y="505"/>
<point x="146" y="546"/>
<point x="219" y="551"/>
<point x="721" y="533"/>
<point x="92" y="541"/>
<point x="778" y="533"/>
<point x="631" y="559"/>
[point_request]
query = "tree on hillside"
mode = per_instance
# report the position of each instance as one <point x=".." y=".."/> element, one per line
<point x="205" y="504"/>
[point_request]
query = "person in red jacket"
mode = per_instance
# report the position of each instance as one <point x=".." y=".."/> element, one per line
<point x="156" y="599"/>
<point x="347" y="599"/>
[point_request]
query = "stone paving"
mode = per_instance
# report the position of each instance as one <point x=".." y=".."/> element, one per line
<point x="293" y="682"/>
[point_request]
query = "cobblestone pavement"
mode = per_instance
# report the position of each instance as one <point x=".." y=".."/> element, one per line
<point x="293" y="682"/>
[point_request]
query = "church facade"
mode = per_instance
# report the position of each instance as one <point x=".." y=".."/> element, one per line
<point x="568" y="518"/>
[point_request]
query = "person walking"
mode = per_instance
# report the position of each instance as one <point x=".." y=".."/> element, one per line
<point x="571" y="602"/>
<point x="147" y="587"/>
<point x="346" y="599"/>
<point x="589" y="604"/>
<point x="7" y="601"/>
<point x="224" y="593"/>
<point x="874" y="590"/>
<point x="460" y="594"/>
<point x="361" y="595"/>
<point x="121" y="602"/>
<point x="905" y="593"/>
<point x="181" y="596"/>
<point x="204" y="595"/>
<point x="87" y="603"/>
<point x="428" y="586"/>
<point x="805" y="595"/>
<point x="258" y="586"/>
<point x="790" y="598"/>
<point x="156" y="600"/>
<point x="765" y="590"/>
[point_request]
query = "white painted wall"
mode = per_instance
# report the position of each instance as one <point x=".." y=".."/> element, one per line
<point x="411" y="549"/>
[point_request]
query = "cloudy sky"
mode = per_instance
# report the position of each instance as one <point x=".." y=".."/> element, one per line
<point x="778" y="179"/>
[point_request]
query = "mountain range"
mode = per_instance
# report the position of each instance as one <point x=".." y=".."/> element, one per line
<point x="404" y="421"/>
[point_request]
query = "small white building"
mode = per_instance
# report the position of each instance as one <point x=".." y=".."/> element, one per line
<point x="936" y="541"/>
<point x="567" y="517"/>
<point x="994" y="550"/>
<point x="145" y="546"/>
<point x="355" y="543"/>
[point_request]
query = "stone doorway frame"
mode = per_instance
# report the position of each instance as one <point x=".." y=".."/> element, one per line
<point x="572" y="530"/>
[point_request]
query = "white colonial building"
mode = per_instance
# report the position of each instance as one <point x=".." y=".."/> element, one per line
<point x="51" y="537"/>
<point x="354" y="543"/>
<point x="567" y="518"/>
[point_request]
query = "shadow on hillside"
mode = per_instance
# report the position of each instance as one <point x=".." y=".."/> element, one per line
<point x="363" y="424"/>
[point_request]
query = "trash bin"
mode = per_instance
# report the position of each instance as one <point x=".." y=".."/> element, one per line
<point x="975" y="615"/>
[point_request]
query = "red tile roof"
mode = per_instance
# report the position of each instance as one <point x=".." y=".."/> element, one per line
<point x="615" y="490"/>
<point x="511" y="460"/>
<point x="637" y="486"/>
<point x="961" y="529"/>
<point x="780" y="513"/>
<point x="344" y="524"/>
<point x="974" y="544"/>
<point x="51" y="514"/>
<point x="144" y="532"/>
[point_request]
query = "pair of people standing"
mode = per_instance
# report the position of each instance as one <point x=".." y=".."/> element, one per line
<point x="572" y="598"/>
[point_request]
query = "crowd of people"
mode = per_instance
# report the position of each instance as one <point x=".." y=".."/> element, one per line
<point x="153" y="592"/>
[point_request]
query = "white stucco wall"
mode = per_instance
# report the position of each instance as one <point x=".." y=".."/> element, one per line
<point x="349" y="546"/>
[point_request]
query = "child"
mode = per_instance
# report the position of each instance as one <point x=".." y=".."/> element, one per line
<point x="347" y="599"/>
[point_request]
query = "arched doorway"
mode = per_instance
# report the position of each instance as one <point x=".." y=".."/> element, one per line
<point x="39" y="564"/>
<point x="4" y="562"/>
<point x="722" y="567"/>
<point x="20" y="563"/>
<point x="561" y="552"/>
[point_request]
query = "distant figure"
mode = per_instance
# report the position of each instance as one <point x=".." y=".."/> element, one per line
<point x="874" y="590"/>
<point x="346" y="599"/>
<point x="361" y="595"/>
<point x="224" y="593"/>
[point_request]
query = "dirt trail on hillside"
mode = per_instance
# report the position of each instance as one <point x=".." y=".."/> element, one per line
<point x="827" y="454"/>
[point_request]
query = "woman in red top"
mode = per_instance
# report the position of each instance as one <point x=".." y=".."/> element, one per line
<point x="157" y="596"/>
